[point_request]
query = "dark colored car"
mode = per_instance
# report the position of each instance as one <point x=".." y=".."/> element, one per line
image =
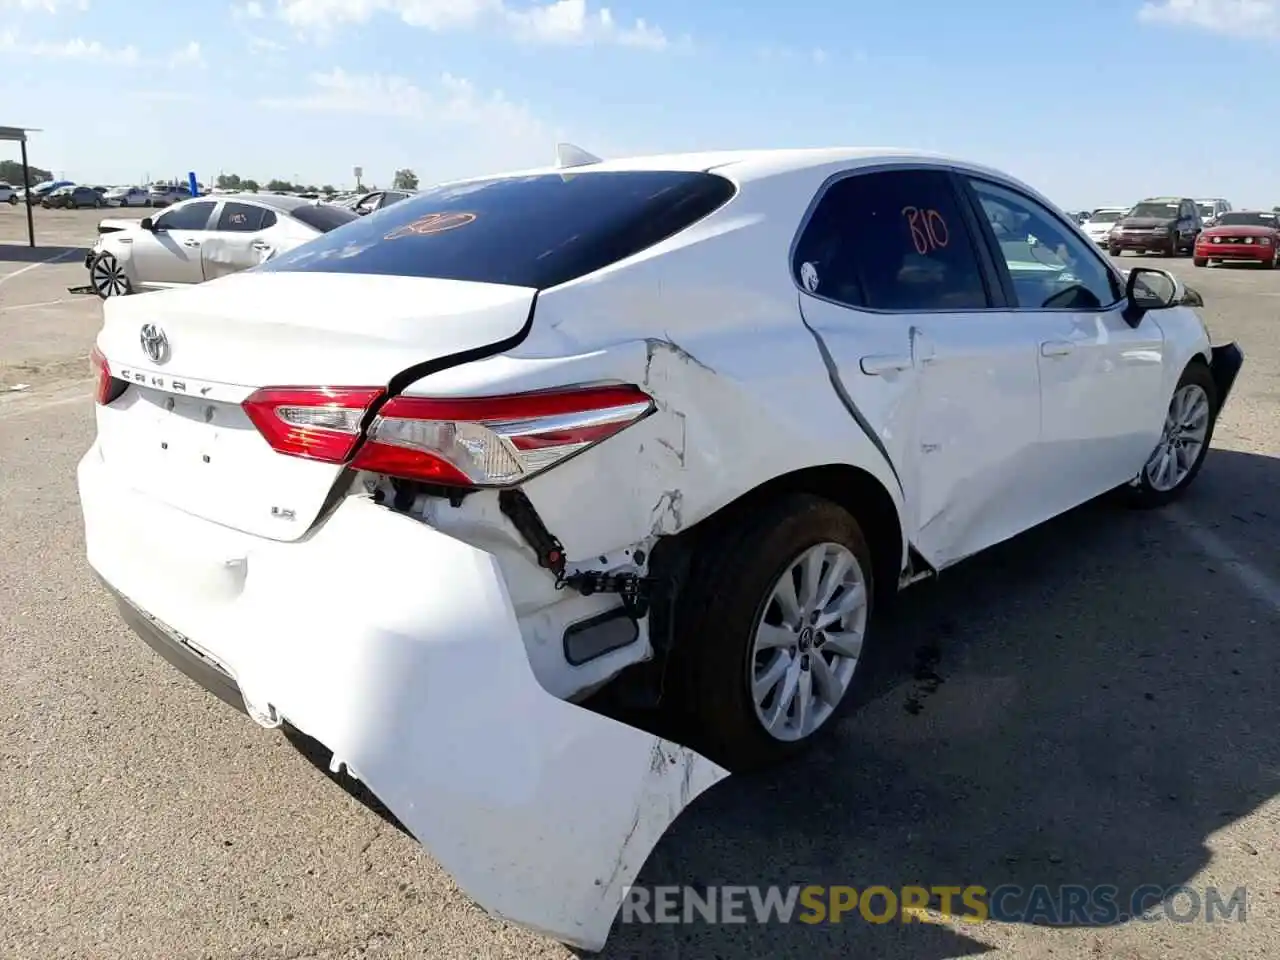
<point x="379" y="199"/>
<point x="1168" y="225"/>
<point x="73" y="198"/>
<point x="1241" y="235"/>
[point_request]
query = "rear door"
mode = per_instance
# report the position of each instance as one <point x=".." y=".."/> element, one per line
<point x="1101" y="380"/>
<point x="170" y="253"/>
<point x="239" y="239"/>
<point x="897" y="289"/>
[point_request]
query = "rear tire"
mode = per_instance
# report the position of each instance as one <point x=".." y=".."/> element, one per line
<point x="1184" y="442"/>
<point x="1200" y="261"/>
<point x="752" y="670"/>
<point x="1114" y="251"/>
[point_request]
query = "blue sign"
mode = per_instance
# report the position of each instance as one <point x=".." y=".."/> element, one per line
<point x="191" y="182"/>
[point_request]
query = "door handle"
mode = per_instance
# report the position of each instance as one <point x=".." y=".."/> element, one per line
<point x="191" y="243"/>
<point x="1056" y="348"/>
<point x="878" y="366"/>
<point x="261" y="245"/>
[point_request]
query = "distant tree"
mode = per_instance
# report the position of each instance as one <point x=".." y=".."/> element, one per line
<point x="229" y="181"/>
<point x="250" y="186"/>
<point x="11" y="172"/>
<point x="328" y="190"/>
<point x="406" y="179"/>
<point x="274" y="185"/>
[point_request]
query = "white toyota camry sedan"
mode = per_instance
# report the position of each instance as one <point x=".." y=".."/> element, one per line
<point x="201" y="239"/>
<point x="671" y="426"/>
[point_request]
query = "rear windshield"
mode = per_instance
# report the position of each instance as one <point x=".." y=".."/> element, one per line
<point x="536" y="231"/>
<point x="323" y="216"/>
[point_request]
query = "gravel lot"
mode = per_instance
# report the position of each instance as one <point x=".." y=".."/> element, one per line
<point x="1107" y="715"/>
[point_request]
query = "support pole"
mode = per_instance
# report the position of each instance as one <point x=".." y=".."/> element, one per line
<point x="26" y="193"/>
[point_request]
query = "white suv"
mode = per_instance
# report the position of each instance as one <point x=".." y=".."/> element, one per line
<point x="670" y="426"/>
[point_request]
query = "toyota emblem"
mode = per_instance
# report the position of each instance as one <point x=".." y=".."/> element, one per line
<point x="154" y="342"/>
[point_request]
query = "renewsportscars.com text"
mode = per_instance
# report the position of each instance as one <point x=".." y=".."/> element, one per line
<point x="1056" y="906"/>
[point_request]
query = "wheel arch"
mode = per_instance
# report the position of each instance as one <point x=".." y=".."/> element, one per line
<point x="850" y="487"/>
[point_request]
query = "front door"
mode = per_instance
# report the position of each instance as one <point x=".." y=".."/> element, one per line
<point x="1101" y="380"/>
<point x="170" y="253"/>
<point x="944" y="385"/>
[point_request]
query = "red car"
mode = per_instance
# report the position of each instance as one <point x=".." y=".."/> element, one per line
<point x="1241" y="235"/>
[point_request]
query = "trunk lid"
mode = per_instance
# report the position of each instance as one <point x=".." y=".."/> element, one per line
<point x="180" y="434"/>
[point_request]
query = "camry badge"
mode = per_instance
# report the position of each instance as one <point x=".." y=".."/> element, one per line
<point x="154" y="342"/>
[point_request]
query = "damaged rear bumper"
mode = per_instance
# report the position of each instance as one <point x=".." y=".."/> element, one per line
<point x="414" y="674"/>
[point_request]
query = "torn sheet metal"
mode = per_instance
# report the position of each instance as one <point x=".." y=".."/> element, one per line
<point x="543" y="811"/>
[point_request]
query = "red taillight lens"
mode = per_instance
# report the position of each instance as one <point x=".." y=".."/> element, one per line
<point x="316" y="423"/>
<point x="106" y="388"/>
<point x="494" y="441"/>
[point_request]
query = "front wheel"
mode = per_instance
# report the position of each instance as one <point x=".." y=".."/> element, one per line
<point x="772" y="632"/>
<point x="107" y="277"/>
<point x="1184" y="441"/>
<point x="1200" y="261"/>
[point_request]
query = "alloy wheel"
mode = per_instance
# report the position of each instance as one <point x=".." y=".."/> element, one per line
<point x="1181" y="441"/>
<point x="108" y="277"/>
<point x="807" y="641"/>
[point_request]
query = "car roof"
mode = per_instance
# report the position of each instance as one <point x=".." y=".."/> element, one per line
<point x="745" y="165"/>
<point x="1165" y="199"/>
<point x="285" y="204"/>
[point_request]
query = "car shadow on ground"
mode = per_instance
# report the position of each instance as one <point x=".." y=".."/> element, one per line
<point x="1084" y="705"/>
<point x="21" y="253"/>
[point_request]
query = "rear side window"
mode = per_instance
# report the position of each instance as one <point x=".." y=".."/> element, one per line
<point x="240" y="218"/>
<point x="322" y="217"/>
<point x="536" y="231"/>
<point x="891" y="241"/>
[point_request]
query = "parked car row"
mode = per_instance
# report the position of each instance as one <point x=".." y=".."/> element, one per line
<point x="1206" y="230"/>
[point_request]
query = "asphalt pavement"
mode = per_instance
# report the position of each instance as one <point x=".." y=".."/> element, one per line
<point x="1093" y="703"/>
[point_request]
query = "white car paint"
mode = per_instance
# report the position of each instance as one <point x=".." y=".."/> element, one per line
<point x="165" y="257"/>
<point x="422" y="642"/>
<point x="127" y="197"/>
<point x="1100" y="224"/>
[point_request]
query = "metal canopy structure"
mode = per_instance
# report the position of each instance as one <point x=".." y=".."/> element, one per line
<point x="19" y="134"/>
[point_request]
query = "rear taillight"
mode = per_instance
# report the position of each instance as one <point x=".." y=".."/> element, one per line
<point x="316" y="423"/>
<point x="494" y="441"/>
<point x="106" y="388"/>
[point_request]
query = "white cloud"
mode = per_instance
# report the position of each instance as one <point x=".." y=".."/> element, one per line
<point x="451" y="101"/>
<point x="248" y="11"/>
<point x="265" y="45"/>
<point x="90" y="51"/>
<point x="1254" y="19"/>
<point x="187" y="56"/>
<point x="44" y="6"/>
<point x="569" y="21"/>
<point x="557" y="21"/>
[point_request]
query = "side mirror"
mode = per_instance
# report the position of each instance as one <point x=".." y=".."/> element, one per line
<point x="1149" y="289"/>
<point x="147" y="224"/>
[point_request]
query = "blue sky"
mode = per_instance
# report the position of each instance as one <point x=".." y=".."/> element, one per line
<point x="1092" y="101"/>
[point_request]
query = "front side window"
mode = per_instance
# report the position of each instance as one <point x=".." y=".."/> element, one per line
<point x="1051" y="268"/>
<point x="894" y="240"/>
<point x="534" y="231"/>
<point x="191" y="216"/>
